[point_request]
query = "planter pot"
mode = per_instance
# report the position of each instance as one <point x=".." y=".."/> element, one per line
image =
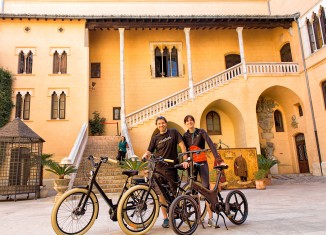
<point x="61" y="186"/>
<point x="43" y="191"/>
<point x="260" y="184"/>
<point x="268" y="181"/>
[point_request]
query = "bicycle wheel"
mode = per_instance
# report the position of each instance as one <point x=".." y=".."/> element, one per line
<point x="236" y="207"/>
<point x="136" y="213"/>
<point x="184" y="211"/>
<point x="67" y="215"/>
<point x="202" y="202"/>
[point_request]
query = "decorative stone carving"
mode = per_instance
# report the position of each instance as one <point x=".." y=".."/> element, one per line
<point x="294" y="123"/>
<point x="265" y="110"/>
<point x="269" y="150"/>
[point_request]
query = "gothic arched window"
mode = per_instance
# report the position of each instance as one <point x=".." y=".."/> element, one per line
<point x="278" y="121"/>
<point x="213" y="123"/>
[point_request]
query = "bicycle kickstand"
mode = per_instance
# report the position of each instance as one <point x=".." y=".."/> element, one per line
<point x="219" y="214"/>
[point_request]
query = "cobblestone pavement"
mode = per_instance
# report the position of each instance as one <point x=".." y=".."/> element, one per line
<point x="298" y="179"/>
<point x="290" y="206"/>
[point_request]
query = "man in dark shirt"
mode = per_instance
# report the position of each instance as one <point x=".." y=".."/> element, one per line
<point x="165" y="145"/>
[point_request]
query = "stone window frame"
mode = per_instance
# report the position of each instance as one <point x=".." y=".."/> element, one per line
<point x="169" y="46"/>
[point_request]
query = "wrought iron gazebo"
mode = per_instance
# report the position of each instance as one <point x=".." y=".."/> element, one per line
<point x="20" y="160"/>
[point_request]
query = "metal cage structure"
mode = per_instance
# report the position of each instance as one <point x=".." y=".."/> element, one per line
<point x="20" y="160"/>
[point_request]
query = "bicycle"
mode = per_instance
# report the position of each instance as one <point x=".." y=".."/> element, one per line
<point x="138" y="209"/>
<point x="184" y="208"/>
<point x="75" y="212"/>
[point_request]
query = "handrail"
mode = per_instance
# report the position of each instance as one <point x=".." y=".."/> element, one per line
<point x="180" y="97"/>
<point x="203" y="86"/>
<point x="77" y="151"/>
<point x="272" y="67"/>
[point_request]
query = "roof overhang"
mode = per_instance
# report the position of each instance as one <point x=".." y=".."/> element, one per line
<point x="172" y="22"/>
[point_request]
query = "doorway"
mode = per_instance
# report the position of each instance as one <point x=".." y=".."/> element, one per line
<point x="302" y="153"/>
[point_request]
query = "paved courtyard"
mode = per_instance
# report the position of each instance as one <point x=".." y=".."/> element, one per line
<point x="288" y="206"/>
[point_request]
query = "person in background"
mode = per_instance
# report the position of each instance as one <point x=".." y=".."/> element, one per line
<point x="195" y="139"/>
<point x="165" y="145"/>
<point x="122" y="149"/>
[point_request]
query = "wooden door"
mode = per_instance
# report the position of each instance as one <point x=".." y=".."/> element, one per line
<point x="302" y="153"/>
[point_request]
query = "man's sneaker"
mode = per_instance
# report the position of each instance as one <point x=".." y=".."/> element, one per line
<point x="212" y="223"/>
<point x="166" y="223"/>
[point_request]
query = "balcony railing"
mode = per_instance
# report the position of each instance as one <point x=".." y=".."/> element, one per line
<point x="273" y="68"/>
<point x="180" y="97"/>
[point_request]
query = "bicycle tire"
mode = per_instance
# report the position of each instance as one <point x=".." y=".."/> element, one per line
<point x="236" y="207"/>
<point x="202" y="200"/>
<point x="135" y="215"/>
<point x="184" y="211"/>
<point x="64" y="220"/>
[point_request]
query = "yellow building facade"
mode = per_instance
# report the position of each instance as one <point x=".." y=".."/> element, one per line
<point x="250" y="72"/>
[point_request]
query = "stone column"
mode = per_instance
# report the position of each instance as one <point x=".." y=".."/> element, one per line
<point x="242" y="56"/>
<point x="190" y="79"/>
<point x="124" y="128"/>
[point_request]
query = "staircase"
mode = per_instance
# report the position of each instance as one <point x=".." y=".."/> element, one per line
<point x="109" y="177"/>
<point x="148" y="112"/>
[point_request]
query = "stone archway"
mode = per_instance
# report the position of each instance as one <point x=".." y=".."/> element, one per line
<point x="279" y="143"/>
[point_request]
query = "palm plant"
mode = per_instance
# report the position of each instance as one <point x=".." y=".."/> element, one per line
<point x="46" y="160"/>
<point x="61" y="170"/>
<point x="266" y="163"/>
<point x="131" y="164"/>
<point x="260" y="174"/>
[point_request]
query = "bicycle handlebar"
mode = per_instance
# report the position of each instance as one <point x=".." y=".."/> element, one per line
<point x="103" y="159"/>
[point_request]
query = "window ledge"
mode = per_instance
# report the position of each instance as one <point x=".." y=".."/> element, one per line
<point x="57" y="120"/>
<point x="24" y="74"/>
<point x="59" y="75"/>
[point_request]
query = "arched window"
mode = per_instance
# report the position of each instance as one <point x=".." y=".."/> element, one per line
<point x="213" y="123"/>
<point x="323" y="85"/>
<point x="62" y="106"/>
<point x="29" y="62"/>
<point x="19" y="101"/>
<point x="286" y="55"/>
<point x="323" y="23"/>
<point x="311" y="37"/>
<point x="56" y="62"/>
<point x="21" y="62"/>
<point x="166" y="64"/>
<point x="231" y="60"/>
<point x="63" y="64"/>
<point x="54" y="106"/>
<point x="27" y="104"/>
<point x="278" y="121"/>
<point x="173" y="63"/>
<point x="318" y="33"/>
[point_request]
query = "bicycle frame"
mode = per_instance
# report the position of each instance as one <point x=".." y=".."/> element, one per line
<point x="212" y="196"/>
<point x="155" y="179"/>
<point x="92" y="182"/>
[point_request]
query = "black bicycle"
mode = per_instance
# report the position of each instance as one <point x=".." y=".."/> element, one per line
<point x="185" y="211"/>
<point x="75" y="212"/>
<point x="139" y="206"/>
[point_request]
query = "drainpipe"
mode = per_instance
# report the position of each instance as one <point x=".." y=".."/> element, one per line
<point x="309" y="94"/>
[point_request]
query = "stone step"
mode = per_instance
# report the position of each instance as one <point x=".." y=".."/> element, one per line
<point x="110" y="176"/>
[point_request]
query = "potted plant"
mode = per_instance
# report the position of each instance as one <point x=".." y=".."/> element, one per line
<point x="266" y="163"/>
<point x="260" y="176"/>
<point x="96" y="124"/>
<point x="61" y="184"/>
<point x="134" y="164"/>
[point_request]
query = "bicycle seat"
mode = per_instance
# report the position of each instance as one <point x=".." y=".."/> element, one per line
<point x="130" y="173"/>
<point x="221" y="167"/>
